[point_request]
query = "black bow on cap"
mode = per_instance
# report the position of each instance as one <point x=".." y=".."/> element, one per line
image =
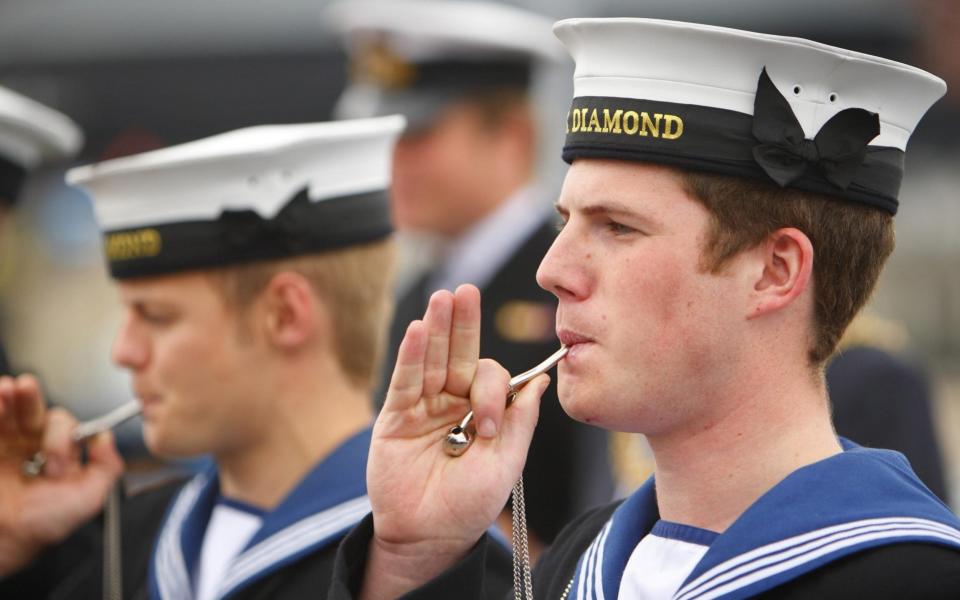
<point x="837" y="150"/>
<point x="287" y="232"/>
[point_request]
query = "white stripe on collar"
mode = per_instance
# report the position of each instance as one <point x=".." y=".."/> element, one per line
<point x="303" y="534"/>
<point x="172" y="578"/>
<point x="784" y="555"/>
<point x="591" y="565"/>
<point x="598" y="568"/>
<point x="582" y="569"/>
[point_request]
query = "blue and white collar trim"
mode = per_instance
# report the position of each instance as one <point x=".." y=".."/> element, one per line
<point x="806" y="552"/>
<point x="849" y="502"/>
<point x="329" y="501"/>
<point x="683" y="533"/>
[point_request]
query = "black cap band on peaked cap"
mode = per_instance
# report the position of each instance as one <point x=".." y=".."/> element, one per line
<point x="768" y="145"/>
<point x="433" y="86"/>
<point x="257" y="193"/>
<point x="303" y="226"/>
<point x="378" y="65"/>
<point x="472" y="74"/>
<point x="12" y="177"/>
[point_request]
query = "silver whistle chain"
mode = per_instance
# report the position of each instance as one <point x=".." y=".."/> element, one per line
<point x="458" y="440"/>
<point x="521" y="546"/>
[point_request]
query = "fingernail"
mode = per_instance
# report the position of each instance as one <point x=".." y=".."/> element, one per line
<point x="544" y="385"/>
<point x="53" y="466"/>
<point x="487" y="428"/>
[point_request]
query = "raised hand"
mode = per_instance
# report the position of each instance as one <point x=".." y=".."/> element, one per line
<point x="429" y="509"/>
<point x="37" y="512"/>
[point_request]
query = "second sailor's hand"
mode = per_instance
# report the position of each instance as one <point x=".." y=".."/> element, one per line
<point x="36" y="512"/>
<point x="429" y="509"/>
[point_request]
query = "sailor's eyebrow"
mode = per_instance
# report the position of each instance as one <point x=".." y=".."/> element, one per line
<point x="607" y="207"/>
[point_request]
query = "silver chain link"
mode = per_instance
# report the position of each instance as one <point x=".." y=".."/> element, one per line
<point x="522" y="579"/>
<point x="112" y="555"/>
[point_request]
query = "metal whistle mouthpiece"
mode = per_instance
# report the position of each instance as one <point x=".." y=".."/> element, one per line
<point x="460" y="436"/>
<point x="112" y="419"/>
<point x="33" y="467"/>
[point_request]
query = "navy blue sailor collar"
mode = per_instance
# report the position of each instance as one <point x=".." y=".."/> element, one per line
<point x="329" y="500"/>
<point x="858" y="499"/>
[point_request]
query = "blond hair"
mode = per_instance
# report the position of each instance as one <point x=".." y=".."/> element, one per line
<point x="355" y="283"/>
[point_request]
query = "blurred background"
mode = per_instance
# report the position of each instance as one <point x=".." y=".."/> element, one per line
<point x="143" y="75"/>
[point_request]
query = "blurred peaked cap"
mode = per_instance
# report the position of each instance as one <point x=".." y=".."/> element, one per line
<point x="257" y="193"/>
<point x="421" y="30"/>
<point x="796" y="112"/>
<point x="31" y="134"/>
<point x="416" y="56"/>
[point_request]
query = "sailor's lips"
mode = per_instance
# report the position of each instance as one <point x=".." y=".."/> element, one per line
<point x="568" y="337"/>
<point x="575" y="341"/>
<point x="149" y="403"/>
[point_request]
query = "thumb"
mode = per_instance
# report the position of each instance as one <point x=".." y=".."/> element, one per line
<point x="104" y="465"/>
<point x="70" y="500"/>
<point x="520" y="420"/>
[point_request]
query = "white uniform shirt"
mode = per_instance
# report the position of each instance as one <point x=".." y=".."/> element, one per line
<point x="232" y="524"/>
<point x="477" y="255"/>
<point x="662" y="561"/>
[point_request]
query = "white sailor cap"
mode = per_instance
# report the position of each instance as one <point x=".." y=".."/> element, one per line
<point x="31" y="134"/>
<point x="796" y="112"/>
<point x="414" y="57"/>
<point x="258" y="193"/>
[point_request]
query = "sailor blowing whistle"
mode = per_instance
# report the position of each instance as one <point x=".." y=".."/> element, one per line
<point x="460" y="436"/>
<point x="33" y="467"/>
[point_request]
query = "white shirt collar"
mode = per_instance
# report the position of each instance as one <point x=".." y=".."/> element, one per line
<point x="477" y="255"/>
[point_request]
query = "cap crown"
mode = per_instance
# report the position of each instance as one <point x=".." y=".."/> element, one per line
<point x="30" y="134"/>
<point x="255" y="193"/>
<point x="415" y="57"/>
<point x="707" y="78"/>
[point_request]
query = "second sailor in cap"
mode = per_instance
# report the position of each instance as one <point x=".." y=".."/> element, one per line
<point x="254" y="270"/>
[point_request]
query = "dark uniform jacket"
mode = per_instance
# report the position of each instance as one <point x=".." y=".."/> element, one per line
<point x="74" y="568"/>
<point x="881" y="401"/>
<point x="858" y="525"/>
<point x="292" y="556"/>
<point x="517" y="321"/>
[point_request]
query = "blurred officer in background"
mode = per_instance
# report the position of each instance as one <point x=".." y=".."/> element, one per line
<point x="30" y="135"/>
<point x="882" y="395"/>
<point x="254" y="271"/>
<point x="882" y="400"/>
<point x="461" y="73"/>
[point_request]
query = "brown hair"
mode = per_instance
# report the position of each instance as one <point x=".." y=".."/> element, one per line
<point x="494" y="106"/>
<point x="850" y="242"/>
<point x="356" y="284"/>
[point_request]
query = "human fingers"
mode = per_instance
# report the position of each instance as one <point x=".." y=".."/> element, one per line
<point x="12" y="444"/>
<point x="104" y="464"/>
<point x="8" y="415"/>
<point x="488" y="397"/>
<point x="464" y="341"/>
<point x="29" y="405"/>
<point x="62" y="456"/>
<point x="61" y="502"/>
<point x="406" y="383"/>
<point x="520" y="420"/>
<point x="437" y="320"/>
<point x="8" y="393"/>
